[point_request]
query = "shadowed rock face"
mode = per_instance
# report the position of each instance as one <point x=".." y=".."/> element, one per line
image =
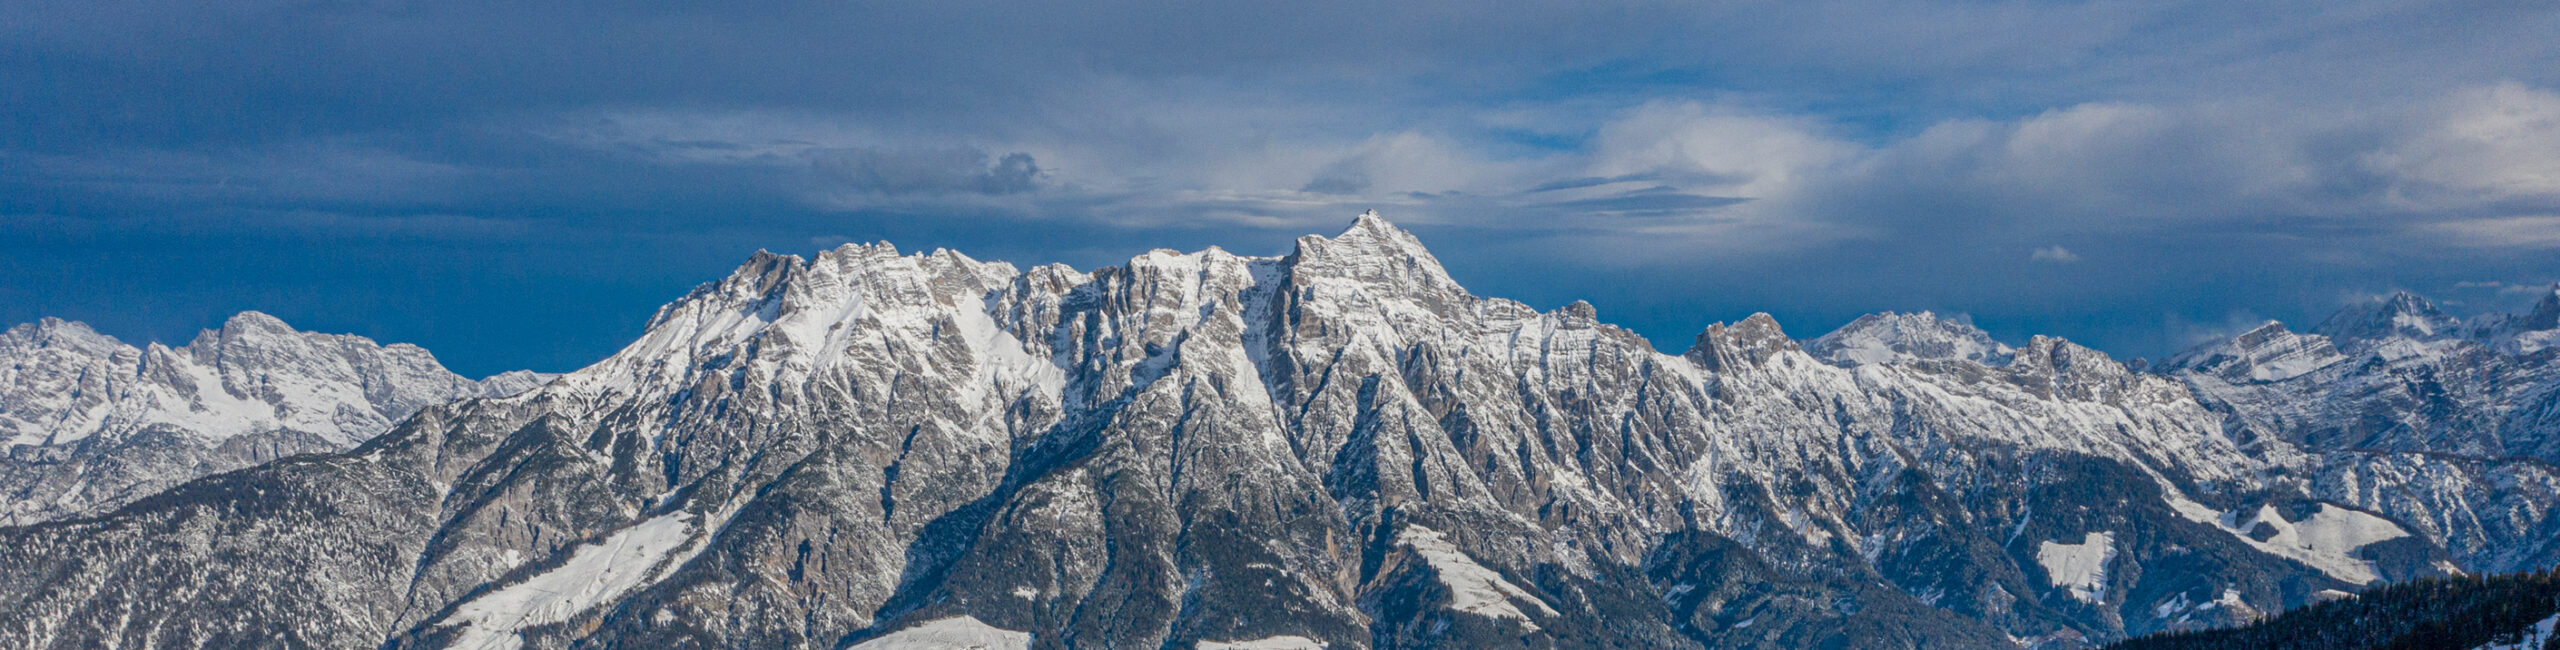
<point x="1339" y="446"/>
<point x="91" y="423"/>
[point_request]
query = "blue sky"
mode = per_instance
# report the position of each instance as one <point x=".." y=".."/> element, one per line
<point x="520" y="186"/>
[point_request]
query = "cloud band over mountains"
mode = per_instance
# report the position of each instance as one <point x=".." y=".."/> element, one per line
<point x="1818" y="160"/>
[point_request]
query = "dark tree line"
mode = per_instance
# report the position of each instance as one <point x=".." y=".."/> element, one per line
<point x="2429" y="614"/>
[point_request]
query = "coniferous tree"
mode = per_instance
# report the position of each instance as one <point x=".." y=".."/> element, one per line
<point x="2450" y="613"/>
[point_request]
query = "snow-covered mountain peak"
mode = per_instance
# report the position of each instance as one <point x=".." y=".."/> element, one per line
<point x="1741" y="345"/>
<point x="255" y="323"/>
<point x="2051" y="364"/>
<point x="71" y="336"/>
<point x="2267" y="353"/>
<point x="2400" y="315"/>
<point x="1379" y="254"/>
<point x="112" y="422"/>
<point x="785" y="318"/>
<point x="1891" y="337"/>
<point x="254" y="342"/>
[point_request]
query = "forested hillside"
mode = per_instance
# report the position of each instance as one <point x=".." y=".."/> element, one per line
<point x="2515" y="611"/>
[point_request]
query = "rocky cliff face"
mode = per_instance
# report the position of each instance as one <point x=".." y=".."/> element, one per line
<point x="1338" y="447"/>
<point x="92" y="423"/>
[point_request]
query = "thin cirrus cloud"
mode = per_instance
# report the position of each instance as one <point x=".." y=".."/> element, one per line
<point x="1676" y="163"/>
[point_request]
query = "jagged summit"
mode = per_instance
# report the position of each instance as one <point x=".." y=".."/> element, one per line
<point x="97" y="422"/>
<point x="2394" y="374"/>
<point x="253" y="321"/>
<point x="2399" y="325"/>
<point x="1891" y="337"/>
<point x="794" y="305"/>
<point x="2546" y="312"/>
<point x="1746" y="344"/>
<point x="2399" y="315"/>
<point x="56" y="332"/>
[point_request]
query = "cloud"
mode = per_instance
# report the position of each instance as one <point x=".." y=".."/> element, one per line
<point x="2055" y="254"/>
<point x="2526" y="232"/>
<point x="2483" y="144"/>
<point x="1811" y="158"/>
<point x="1702" y="176"/>
<point x="1746" y="154"/>
<point x="924" y="171"/>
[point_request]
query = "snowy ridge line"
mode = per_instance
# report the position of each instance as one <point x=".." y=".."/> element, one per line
<point x="1191" y="447"/>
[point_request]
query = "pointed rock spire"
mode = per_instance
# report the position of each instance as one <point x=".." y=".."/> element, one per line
<point x="2546" y="313"/>
<point x="2399" y="315"/>
<point x="1371" y="235"/>
<point x="1376" y="253"/>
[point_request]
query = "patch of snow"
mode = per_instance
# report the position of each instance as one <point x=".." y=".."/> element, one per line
<point x="2413" y="323"/>
<point x="2231" y="601"/>
<point x="1025" y="593"/>
<point x="1473" y="588"/>
<point x="1004" y="356"/>
<point x="2326" y="540"/>
<point x="2188" y="508"/>
<point x="2171" y="606"/>
<point x="1266" y="643"/>
<point x="2526" y="343"/>
<point x="594" y="575"/>
<point x="1676" y="590"/>
<point x="955" y="633"/>
<point x="2082" y="567"/>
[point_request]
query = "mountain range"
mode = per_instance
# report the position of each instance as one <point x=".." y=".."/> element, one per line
<point x="1336" y="447"/>
<point x="91" y="423"/>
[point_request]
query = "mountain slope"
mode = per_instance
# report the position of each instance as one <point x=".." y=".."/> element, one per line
<point x="1340" y="445"/>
